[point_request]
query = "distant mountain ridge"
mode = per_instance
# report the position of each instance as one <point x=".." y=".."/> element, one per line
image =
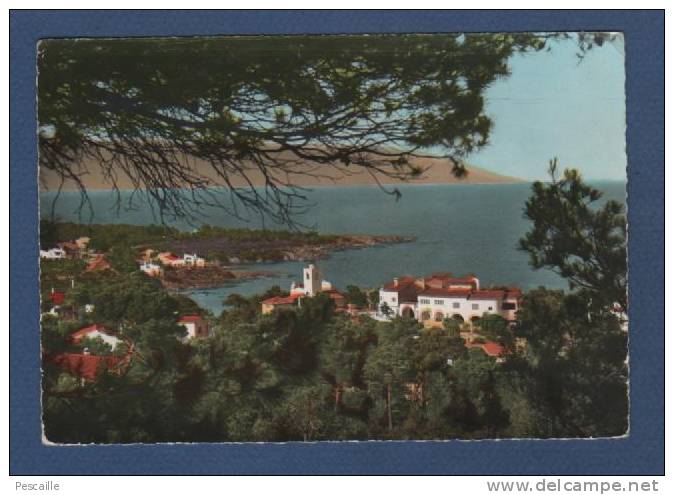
<point x="436" y="171"/>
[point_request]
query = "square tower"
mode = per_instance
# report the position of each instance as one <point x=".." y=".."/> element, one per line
<point x="312" y="280"/>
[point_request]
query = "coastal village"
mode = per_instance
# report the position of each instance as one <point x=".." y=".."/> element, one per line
<point x="86" y="363"/>
<point x="432" y="301"/>
<point x="265" y="325"/>
<point x="429" y="300"/>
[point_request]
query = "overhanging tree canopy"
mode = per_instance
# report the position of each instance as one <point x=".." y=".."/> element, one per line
<point x="251" y="107"/>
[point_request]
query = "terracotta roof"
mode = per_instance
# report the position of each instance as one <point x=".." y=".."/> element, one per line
<point x="190" y="319"/>
<point x="443" y="278"/>
<point x="403" y="283"/>
<point x="445" y="292"/>
<point x="334" y="294"/>
<point x="469" y="279"/>
<point x="488" y="294"/>
<point x="493" y="349"/>
<point x="57" y="297"/>
<point x="83" y="332"/>
<point x="167" y="255"/>
<point x="86" y="366"/>
<point x="69" y="245"/>
<point x="277" y="300"/>
<point x="100" y="262"/>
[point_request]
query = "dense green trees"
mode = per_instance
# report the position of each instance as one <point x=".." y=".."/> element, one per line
<point x="139" y="405"/>
<point x="354" y="295"/>
<point x="305" y="374"/>
<point x="578" y="237"/>
<point x="574" y="373"/>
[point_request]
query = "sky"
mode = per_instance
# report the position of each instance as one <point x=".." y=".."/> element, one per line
<point x="551" y="106"/>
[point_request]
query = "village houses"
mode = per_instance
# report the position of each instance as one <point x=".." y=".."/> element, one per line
<point x="187" y="260"/>
<point x="55" y="253"/>
<point x="66" y="250"/>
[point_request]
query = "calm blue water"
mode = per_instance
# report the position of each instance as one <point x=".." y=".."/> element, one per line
<point x="466" y="228"/>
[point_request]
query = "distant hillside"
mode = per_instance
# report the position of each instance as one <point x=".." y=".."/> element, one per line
<point x="437" y="171"/>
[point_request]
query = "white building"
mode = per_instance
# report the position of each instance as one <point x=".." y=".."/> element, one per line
<point x="431" y="300"/>
<point x="196" y="326"/>
<point x="56" y="253"/>
<point x="152" y="269"/>
<point x="193" y="260"/>
<point x="96" y="331"/>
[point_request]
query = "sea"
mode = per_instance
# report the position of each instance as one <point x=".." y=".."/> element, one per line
<point x="458" y="228"/>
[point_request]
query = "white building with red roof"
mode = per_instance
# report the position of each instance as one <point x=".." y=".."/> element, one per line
<point x="440" y="296"/>
<point x="196" y="326"/>
<point x="151" y="269"/>
<point x="170" y="259"/>
<point x="95" y="331"/>
<point x="189" y="260"/>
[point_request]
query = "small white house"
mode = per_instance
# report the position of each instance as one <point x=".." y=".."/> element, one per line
<point x="193" y="260"/>
<point x="195" y="325"/>
<point x="56" y="253"/>
<point x="152" y="269"/>
<point x="94" y="331"/>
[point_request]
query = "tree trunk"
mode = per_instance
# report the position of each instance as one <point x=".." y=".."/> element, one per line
<point x="388" y="407"/>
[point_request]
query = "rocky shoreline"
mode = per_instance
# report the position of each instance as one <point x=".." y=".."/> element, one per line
<point x="323" y="250"/>
<point x="216" y="274"/>
<point x="230" y="251"/>
<point x="207" y="277"/>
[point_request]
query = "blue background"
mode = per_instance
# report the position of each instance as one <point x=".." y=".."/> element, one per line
<point x="641" y="453"/>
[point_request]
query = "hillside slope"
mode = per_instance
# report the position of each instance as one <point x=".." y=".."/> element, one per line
<point x="437" y="171"/>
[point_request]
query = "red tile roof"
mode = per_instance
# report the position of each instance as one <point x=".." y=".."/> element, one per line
<point x="86" y="366"/>
<point x="99" y="263"/>
<point x="493" y="349"/>
<point x="403" y="283"/>
<point x="444" y="279"/>
<point x="190" y="319"/>
<point x="513" y="293"/>
<point x="488" y="294"/>
<point x="83" y="332"/>
<point x="57" y="297"/>
<point x="469" y="279"/>
<point x="441" y="275"/>
<point x="334" y="294"/>
<point x="69" y="246"/>
<point x="278" y="300"/>
<point x="464" y="293"/>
